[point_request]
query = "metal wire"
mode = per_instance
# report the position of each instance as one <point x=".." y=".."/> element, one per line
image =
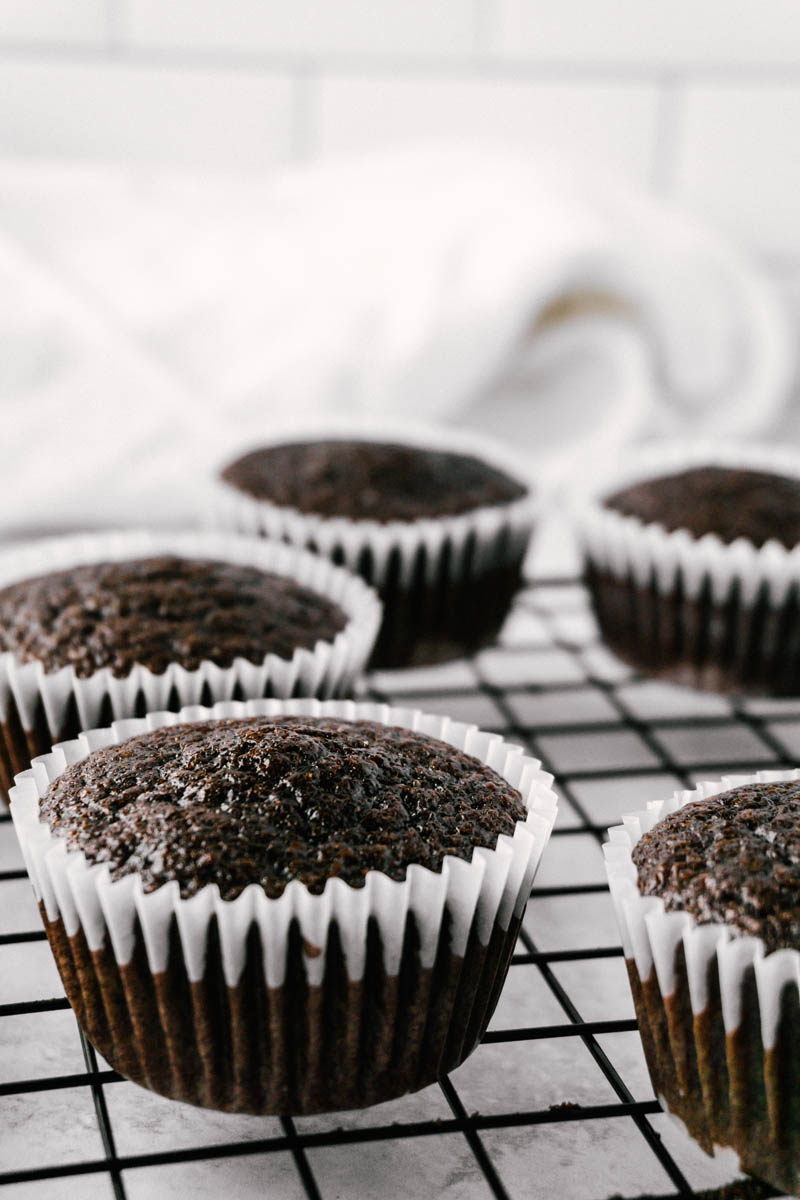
<point x="538" y="602"/>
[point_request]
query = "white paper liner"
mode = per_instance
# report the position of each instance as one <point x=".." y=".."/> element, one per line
<point x="321" y="671"/>
<point x="628" y="548"/>
<point x="501" y="532"/>
<point x="492" y="888"/>
<point x="650" y="934"/>
<point x="723" y="1153"/>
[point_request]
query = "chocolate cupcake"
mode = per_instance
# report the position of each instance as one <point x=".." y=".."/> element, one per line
<point x="692" y="560"/>
<point x="706" y="888"/>
<point x="113" y="626"/>
<point x="283" y="907"/>
<point x="438" y="522"/>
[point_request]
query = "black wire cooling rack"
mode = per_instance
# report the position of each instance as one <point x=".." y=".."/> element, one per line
<point x="555" y="1102"/>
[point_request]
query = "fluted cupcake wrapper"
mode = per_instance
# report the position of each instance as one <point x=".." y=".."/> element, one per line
<point x="446" y="582"/>
<point x="696" y="610"/>
<point x="39" y="708"/>
<point x="718" y="1015"/>
<point x="308" y="1002"/>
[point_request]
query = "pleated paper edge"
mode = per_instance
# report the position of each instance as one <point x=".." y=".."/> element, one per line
<point x="628" y="548"/>
<point x="493" y="887"/>
<point x="650" y="935"/>
<point x="231" y="508"/>
<point x="329" y="666"/>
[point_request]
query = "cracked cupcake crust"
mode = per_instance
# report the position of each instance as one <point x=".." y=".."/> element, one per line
<point x="730" y="502"/>
<point x="732" y="858"/>
<point x="377" y="481"/>
<point x="265" y="801"/>
<point x="160" y="610"/>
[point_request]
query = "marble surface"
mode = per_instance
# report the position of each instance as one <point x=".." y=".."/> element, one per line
<point x="582" y="1159"/>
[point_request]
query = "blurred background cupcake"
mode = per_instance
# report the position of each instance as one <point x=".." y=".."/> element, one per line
<point x="439" y="522"/>
<point x="111" y="626"/>
<point x="692" y="559"/>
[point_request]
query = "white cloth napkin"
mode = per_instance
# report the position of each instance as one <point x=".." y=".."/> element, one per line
<point x="152" y="324"/>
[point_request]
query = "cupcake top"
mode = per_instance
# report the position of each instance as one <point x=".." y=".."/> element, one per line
<point x="732" y="858"/>
<point x="265" y="801"/>
<point x="156" y="611"/>
<point x="731" y="502"/>
<point x="376" y="481"/>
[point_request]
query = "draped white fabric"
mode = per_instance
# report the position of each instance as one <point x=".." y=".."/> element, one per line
<point x="151" y="324"/>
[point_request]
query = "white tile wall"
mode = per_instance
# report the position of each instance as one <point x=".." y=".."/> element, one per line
<point x="314" y="27"/>
<point x="137" y="114"/>
<point x="58" y="21"/>
<point x="669" y="32"/>
<point x="700" y="98"/>
<point x="739" y="160"/>
<point x="614" y="121"/>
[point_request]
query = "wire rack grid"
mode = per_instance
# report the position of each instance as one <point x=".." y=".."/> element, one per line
<point x="555" y="1102"/>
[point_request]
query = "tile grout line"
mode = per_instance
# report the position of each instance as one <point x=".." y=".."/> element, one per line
<point x="114" y="28"/>
<point x="464" y="66"/>
<point x="306" y="116"/>
<point x="670" y="109"/>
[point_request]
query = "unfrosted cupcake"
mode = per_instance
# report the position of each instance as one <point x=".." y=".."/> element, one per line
<point x="284" y="907"/>
<point x="692" y="559"/>
<point x="438" y="522"/>
<point x="707" y="892"/>
<point x="112" y="626"/>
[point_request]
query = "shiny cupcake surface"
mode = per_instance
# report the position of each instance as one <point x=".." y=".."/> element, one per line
<point x="266" y="801"/>
<point x="730" y="502"/>
<point x="159" y="610"/>
<point x="378" y="481"/>
<point x="732" y="858"/>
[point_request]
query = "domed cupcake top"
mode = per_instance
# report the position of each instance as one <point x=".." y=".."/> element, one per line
<point x="156" y="611"/>
<point x="265" y="801"/>
<point x="731" y="502"/>
<point x="377" y="481"/>
<point x="733" y="858"/>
